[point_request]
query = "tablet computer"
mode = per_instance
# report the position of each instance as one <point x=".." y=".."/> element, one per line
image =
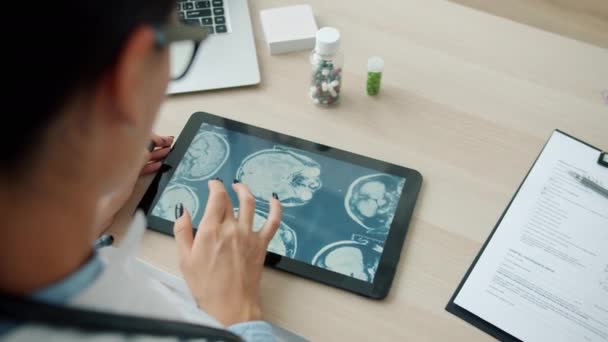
<point x="345" y="216"/>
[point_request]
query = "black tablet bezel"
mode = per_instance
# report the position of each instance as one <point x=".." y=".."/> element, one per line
<point x="394" y="242"/>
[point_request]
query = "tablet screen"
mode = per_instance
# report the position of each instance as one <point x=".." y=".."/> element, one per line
<point x="336" y="215"/>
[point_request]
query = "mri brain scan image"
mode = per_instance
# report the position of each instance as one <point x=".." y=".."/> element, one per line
<point x="173" y="195"/>
<point x="372" y="201"/>
<point x="284" y="242"/>
<point x="337" y="213"/>
<point x="205" y="156"/>
<point x="358" y="258"/>
<point x="293" y="177"/>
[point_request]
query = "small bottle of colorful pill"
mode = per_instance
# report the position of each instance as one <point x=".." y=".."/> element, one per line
<point x="375" y="66"/>
<point x="327" y="62"/>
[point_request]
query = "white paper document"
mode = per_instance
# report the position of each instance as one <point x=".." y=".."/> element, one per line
<point x="544" y="274"/>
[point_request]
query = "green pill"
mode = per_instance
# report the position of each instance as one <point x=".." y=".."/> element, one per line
<point x="373" y="83"/>
<point x="375" y="66"/>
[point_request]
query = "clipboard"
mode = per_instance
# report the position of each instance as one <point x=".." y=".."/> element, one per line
<point x="472" y="318"/>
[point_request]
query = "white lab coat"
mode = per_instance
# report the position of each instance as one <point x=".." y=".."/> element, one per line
<point x="126" y="286"/>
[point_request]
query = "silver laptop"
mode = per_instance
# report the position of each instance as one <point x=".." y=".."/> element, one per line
<point x="227" y="58"/>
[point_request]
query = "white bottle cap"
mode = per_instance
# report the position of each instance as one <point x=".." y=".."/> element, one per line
<point x="328" y="41"/>
<point x="375" y="64"/>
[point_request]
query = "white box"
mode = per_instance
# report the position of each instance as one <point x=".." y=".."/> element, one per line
<point x="288" y="29"/>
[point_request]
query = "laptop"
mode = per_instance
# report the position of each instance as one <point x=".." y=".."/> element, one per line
<point x="227" y="58"/>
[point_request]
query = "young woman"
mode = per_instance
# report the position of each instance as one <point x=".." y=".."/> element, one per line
<point x="72" y="155"/>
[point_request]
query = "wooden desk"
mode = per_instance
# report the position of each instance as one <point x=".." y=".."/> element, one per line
<point x="584" y="20"/>
<point x="468" y="99"/>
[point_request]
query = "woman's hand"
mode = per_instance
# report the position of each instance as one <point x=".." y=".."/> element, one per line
<point x="161" y="146"/>
<point x="223" y="263"/>
<point x="152" y="161"/>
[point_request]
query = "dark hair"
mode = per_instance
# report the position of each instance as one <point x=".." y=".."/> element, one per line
<point x="71" y="44"/>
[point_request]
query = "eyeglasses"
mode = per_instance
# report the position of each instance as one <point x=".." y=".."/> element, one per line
<point x="183" y="41"/>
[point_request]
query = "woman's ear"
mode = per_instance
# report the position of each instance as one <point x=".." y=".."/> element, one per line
<point x="127" y="81"/>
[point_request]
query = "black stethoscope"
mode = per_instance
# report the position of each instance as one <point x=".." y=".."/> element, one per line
<point x="28" y="311"/>
<point x="21" y="309"/>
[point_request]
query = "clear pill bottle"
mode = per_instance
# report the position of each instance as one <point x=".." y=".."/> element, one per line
<point x="326" y="61"/>
<point x="375" y="65"/>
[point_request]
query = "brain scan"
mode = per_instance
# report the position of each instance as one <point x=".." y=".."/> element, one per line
<point x="372" y="201"/>
<point x="173" y="195"/>
<point x="292" y="176"/>
<point x="206" y="155"/>
<point x="358" y="258"/>
<point x="284" y="242"/>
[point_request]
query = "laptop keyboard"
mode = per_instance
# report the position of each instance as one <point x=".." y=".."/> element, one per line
<point x="208" y="13"/>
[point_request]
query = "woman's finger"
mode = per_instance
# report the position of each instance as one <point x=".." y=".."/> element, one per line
<point x="217" y="205"/>
<point x="182" y="230"/>
<point x="162" y="141"/>
<point x="150" y="168"/>
<point x="159" y="154"/>
<point x="274" y="220"/>
<point x="246" y="205"/>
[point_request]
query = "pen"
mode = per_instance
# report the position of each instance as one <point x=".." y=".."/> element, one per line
<point x="104" y="241"/>
<point x="590" y="184"/>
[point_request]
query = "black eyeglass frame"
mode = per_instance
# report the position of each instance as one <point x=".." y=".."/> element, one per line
<point x="171" y="33"/>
